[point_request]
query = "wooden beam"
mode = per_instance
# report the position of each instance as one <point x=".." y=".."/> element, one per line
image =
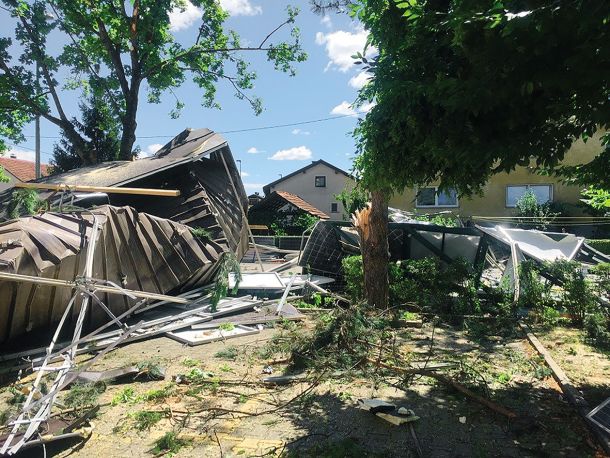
<point x="570" y="391"/>
<point x="105" y="189"/>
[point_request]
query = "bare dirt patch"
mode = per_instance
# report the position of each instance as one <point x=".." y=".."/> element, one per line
<point x="213" y="400"/>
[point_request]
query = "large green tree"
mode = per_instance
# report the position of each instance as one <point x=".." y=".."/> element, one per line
<point x="465" y="89"/>
<point x="115" y="48"/>
<point x="101" y="130"/>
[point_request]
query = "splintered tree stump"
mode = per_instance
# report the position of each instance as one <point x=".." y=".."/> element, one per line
<point x="372" y="225"/>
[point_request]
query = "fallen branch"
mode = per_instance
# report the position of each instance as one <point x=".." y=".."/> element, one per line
<point x="450" y="382"/>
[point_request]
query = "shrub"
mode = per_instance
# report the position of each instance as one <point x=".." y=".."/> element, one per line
<point x="602" y="271"/>
<point x="538" y="215"/>
<point x="597" y="327"/>
<point x="602" y="245"/>
<point x="353" y="273"/>
<point x="578" y="295"/>
<point x="550" y="317"/>
<point x="533" y="293"/>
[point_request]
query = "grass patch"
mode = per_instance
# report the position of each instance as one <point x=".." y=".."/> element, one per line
<point x="126" y="396"/>
<point x="159" y="395"/>
<point x="146" y="419"/>
<point x="226" y="368"/>
<point x="227" y="353"/>
<point x="84" y="394"/>
<point x="190" y="362"/>
<point x="169" y="443"/>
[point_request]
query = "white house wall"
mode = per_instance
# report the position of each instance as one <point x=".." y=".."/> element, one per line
<point x="303" y="185"/>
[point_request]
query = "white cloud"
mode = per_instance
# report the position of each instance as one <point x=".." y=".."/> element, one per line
<point x="245" y="174"/>
<point x="359" y="80"/>
<point x="341" y="45"/>
<point x="254" y="186"/>
<point x="343" y="109"/>
<point x="300" y="132"/>
<point x="19" y="153"/>
<point x="346" y="109"/>
<point x="326" y="21"/>
<point x="151" y="149"/>
<point x="181" y="19"/>
<point x="366" y="107"/>
<point x="240" y="8"/>
<point x="298" y="153"/>
<point x="254" y="150"/>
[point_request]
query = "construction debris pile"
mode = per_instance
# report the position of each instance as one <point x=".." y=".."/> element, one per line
<point x="109" y="265"/>
<point x="139" y="265"/>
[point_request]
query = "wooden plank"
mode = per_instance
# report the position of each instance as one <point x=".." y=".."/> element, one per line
<point x="105" y="189"/>
<point x="571" y="393"/>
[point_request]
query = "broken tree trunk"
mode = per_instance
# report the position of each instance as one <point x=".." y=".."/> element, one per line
<point x="372" y="225"/>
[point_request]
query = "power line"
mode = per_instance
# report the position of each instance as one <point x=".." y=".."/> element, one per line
<point x="30" y="149"/>
<point x="251" y="129"/>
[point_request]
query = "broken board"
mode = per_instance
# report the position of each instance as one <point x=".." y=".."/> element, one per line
<point x="266" y="280"/>
<point x="198" y="337"/>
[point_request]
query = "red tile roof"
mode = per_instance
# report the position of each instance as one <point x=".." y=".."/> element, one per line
<point x="300" y="203"/>
<point x="21" y="169"/>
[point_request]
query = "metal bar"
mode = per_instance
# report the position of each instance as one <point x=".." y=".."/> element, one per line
<point x="285" y="295"/>
<point x="105" y="189"/>
<point x="102" y="288"/>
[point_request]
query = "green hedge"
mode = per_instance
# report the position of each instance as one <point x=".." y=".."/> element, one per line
<point x="602" y="245"/>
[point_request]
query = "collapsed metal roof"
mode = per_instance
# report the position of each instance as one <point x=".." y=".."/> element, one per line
<point x="189" y="145"/>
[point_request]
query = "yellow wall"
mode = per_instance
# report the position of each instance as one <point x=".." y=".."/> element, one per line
<point x="493" y="201"/>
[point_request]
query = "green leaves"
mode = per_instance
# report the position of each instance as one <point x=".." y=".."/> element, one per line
<point x="464" y="90"/>
<point x="111" y="49"/>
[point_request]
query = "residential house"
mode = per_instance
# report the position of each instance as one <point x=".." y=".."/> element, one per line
<point x="317" y="184"/>
<point x="501" y="192"/>
<point x="282" y="205"/>
<point x="253" y="199"/>
<point x="19" y="170"/>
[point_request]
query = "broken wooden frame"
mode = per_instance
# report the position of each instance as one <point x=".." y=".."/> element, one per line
<point x="331" y="241"/>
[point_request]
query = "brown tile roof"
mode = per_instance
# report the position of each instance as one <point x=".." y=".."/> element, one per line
<point x="300" y="203"/>
<point x="21" y="169"/>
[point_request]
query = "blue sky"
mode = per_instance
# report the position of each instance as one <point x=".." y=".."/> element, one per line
<point x="325" y="86"/>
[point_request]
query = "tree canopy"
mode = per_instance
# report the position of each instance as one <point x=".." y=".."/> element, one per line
<point x="465" y="89"/>
<point x="110" y="49"/>
<point x="100" y="128"/>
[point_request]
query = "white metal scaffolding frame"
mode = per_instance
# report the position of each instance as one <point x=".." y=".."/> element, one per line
<point x="85" y="289"/>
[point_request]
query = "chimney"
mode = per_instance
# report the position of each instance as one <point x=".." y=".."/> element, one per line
<point x="13" y="156"/>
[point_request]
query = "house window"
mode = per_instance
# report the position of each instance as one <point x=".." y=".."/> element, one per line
<point x="334" y="208"/>
<point x="432" y="197"/>
<point x="543" y="193"/>
<point x="320" y="182"/>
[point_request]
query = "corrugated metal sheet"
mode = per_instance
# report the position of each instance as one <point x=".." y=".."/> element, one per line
<point x="146" y="243"/>
<point x="135" y="250"/>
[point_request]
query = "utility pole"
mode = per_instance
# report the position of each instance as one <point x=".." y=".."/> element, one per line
<point x="37" y="126"/>
<point x="47" y="16"/>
